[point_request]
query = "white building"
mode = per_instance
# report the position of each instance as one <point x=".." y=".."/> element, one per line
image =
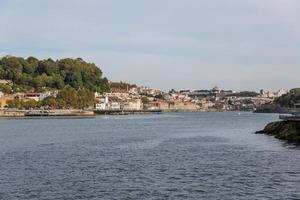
<point x="281" y="92"/>
<point x="115" y="106"/>
<point x="134" y="104"/>
<point x="102" y="104"/>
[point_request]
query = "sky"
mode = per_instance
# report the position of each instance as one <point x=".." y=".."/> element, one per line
<point x="190" y="44"/>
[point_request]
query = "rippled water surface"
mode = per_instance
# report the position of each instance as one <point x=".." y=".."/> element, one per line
<point x="166" y="156"/>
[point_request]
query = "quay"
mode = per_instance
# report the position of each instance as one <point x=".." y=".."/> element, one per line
<point x="59" y="113"/>
<point x="126" y="112"/>
<point x="294" y="117"/>
<point x="46" y="113"/>
<point x="70" y="113"/>
<point x="11" y="114"/>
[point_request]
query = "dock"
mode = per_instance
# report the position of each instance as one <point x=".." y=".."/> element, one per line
<point x="70" y="113"/>
<point x="59" y="113"/>
<point x="126" y="112"/>
<point x="11" y="114"/>
<point x="46" y="114"/>
<point x="295" y="117"/>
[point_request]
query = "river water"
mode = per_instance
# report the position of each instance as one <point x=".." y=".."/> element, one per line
<point x="164" y="156"/>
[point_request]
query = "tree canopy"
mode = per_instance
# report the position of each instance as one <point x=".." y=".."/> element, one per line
<point x="66" y="98"/>
<point x="121" y="85"/>
<point x="289" y="99"/>
<point x="38" y="75"/>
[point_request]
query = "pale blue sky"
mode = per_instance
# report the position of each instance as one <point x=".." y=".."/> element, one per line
<point x="238" y="44"/>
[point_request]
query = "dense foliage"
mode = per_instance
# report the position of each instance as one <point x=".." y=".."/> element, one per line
<point x="39" y="75"/>
<point x="6" y="89"/>
<point x="121" y="85"/>
<point x="289" y="99"/>
<point x="145" y="100"/>
<point x="66" y="98"/>
<point x="20" y="104"/>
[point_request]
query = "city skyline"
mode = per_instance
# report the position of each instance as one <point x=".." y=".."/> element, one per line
<point x="239" y="45"/>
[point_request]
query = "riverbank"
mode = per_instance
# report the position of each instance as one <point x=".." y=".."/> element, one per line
<point x="283" y="130"/>
<point x="45" y="113"/>
<point x="83" y="113"/>
<point x="7" y="114"/>
<point x="126" y="112"/>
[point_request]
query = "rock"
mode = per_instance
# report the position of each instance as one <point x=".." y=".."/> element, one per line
<point x="284" y="130"/>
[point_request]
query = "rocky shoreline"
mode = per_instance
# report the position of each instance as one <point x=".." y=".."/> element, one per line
<point x="283" y="130"/>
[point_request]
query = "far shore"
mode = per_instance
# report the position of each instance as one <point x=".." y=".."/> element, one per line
<point x="77" y="113"/>
<point x="45" y="113"/>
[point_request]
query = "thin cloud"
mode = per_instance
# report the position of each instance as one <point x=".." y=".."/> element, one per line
<point x="181" y="38"/>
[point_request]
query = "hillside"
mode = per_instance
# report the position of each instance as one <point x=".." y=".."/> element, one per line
<point x="32" y="74"/>
<point x="289" y="100"/>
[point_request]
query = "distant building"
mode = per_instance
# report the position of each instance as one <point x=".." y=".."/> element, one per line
<point x="281" y="92"/>
<point x="37" y="96"/>
<point x="134" y="104"/>
<point x="184" y="91"/>
<point x="215" y="90"/>
<point x="118" y="101"/>
<point x="181" y="105"/>
<point x="100" y="106"/>
<point x="167" y="96"/>
<point x="269" y="94"/>
<point x="261" y="92"/>
<point x="102" y="103"/>
<point x="115" y="106"/>
<point x="200" y="94"/>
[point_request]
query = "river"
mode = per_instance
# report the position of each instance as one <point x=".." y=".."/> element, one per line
<point x="163" y="156"/>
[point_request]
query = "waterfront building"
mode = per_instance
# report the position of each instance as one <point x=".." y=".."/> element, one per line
<point x="184" y="105"/>
<point x="115" y="106"/>
<point x="37" y="96"/>
<point x="118" y="101"/>
<point x="133" y="104"/>
<point x="100" y="106"/>
<point x="164" y="105"/>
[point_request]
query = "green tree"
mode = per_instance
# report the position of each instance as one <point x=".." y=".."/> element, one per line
<point x="51" y="102"/>
<point x="39" y="82"/>
<point x="69" y="96"/>
<point x="42" y="74"/>
<point x="289" y="99"/>
<point x="145" y="100"/>
<point x="6" y="89"/>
